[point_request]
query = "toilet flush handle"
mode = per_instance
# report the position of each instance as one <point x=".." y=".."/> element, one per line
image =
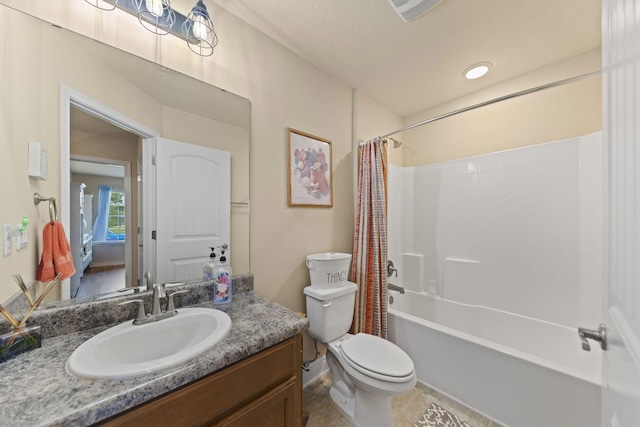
<point x="327" y="304"/>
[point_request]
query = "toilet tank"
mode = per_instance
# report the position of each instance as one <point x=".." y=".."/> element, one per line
<point x="330" y="311"/>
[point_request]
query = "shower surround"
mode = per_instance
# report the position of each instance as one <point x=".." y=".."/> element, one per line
<point x="504" y="251"/>
<point x="519" y="230"/>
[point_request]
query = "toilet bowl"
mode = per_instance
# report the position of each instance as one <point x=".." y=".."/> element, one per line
<point x="366" y="371"/>
<point x="364" y="378"/>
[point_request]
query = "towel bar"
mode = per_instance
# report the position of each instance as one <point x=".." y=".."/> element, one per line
<point x="53" y="209"/>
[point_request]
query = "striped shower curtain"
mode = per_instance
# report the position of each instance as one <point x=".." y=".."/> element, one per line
<point x="369" y="263"/>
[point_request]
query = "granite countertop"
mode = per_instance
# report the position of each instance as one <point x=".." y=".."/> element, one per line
<point x="37" y="390"/>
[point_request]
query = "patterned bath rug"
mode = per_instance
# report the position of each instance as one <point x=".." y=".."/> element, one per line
<point x="435" y="416"/>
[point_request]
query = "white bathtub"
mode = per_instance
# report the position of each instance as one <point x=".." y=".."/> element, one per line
<point x="515" y="370"/>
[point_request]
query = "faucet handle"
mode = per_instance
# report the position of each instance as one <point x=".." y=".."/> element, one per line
<point x="141" y="317"/>
<point x="170" y="304"/>
<point x="390" y="269"/>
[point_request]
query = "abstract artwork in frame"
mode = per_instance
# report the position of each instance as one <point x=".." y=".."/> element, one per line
<point x="309" y="177"/>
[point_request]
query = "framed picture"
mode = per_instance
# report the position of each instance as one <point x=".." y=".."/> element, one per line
<point x="309" y="176"/>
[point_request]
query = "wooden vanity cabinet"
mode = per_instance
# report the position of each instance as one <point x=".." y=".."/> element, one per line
<point x="264" y="390"/>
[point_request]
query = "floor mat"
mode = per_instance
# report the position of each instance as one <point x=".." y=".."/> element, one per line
<point x="435" y="416"/>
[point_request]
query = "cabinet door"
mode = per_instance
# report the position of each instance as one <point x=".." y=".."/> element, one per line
<point x="275" y="408"/>
<point x="267" y="385"/>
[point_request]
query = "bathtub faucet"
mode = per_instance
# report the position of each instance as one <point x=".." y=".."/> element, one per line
<point x="396" y="288"/>
<point x="390" y="269"/>
<point x="599" y="335"/>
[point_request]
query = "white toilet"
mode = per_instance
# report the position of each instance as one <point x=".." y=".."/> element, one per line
<point x="366" y="371"/>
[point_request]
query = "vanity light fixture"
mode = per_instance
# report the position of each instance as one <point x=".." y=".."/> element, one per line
<point x="156" y="16"/>
<point x="198" y="28"/>
<point x="103" y="4"/>
<point x="476" y="70"/>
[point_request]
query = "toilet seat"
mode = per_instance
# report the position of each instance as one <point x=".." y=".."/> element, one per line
<point x="377" y="358"/>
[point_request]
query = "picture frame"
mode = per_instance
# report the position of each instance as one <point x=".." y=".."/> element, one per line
<point x="309" y="170"/>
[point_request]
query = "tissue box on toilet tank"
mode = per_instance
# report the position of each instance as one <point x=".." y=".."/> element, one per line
<point x="329" y="269"/>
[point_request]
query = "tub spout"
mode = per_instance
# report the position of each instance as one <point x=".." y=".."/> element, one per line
<point x="599" y="335"/>
<point x="396" y="288"/>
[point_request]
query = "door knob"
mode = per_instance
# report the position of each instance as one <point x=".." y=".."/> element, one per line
<point x="599" y="335"/>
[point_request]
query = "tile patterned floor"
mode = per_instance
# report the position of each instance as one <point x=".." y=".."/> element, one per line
<point x="407" y="408"/>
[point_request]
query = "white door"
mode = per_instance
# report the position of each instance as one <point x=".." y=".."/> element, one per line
<point x="193" y="185"/>
<point x="139" y="275"/>
<point x="621" y="102"/>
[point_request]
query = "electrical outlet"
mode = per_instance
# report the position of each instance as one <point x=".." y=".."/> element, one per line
<point x="6" y="239"/>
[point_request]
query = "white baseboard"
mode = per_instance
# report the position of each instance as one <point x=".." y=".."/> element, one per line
<point x="317" y="368"/>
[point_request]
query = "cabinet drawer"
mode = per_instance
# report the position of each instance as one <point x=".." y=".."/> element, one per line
<point x="209" y="399"/>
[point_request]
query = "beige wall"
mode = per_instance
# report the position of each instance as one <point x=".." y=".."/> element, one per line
<point x="549" y="115"/>
<point x="374" y="119"/>
<point x="284" y="90"/>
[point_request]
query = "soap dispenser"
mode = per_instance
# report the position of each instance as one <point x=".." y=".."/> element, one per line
<point x="209" y="268"/>
<point x="222" y="278"/>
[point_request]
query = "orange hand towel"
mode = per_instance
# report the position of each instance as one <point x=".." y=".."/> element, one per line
<point x="46" y="271"/>
<point x="56" y="254"/>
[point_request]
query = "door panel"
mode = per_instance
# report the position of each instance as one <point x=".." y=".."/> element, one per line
<point x="621" y="65"/>
<point x="193" y="207"/>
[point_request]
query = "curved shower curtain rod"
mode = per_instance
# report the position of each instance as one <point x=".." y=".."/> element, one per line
<point x="489" y="102"/>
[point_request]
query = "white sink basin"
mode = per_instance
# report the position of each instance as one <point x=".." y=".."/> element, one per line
<point x="127" y="350"/>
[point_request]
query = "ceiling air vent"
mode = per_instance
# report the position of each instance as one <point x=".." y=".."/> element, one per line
<point x="411" y="9"/>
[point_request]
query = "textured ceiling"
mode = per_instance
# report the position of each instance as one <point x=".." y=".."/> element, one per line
<point x="410" y="67"/>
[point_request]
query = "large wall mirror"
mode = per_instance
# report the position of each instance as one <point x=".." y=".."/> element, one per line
<point x="55" y="71"/>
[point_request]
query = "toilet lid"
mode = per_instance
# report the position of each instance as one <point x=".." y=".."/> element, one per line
<point x="375" y="355"/>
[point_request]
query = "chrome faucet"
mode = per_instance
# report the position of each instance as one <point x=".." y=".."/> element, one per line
<point x="599" y="335"/>
<point x="158" y="292"/>
<point x="149" y="278"/>
<point x="156" y="312"/>
<point x="396" y="288"/>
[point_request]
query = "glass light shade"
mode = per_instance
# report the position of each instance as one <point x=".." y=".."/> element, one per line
<point x="156" y="16"/>
<point x="198" y="27"/>
<point x="155" y="7"/>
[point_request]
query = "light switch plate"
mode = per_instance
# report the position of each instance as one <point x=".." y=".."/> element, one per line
<point x="23" y="239"/>
<point x="6" y="239"/>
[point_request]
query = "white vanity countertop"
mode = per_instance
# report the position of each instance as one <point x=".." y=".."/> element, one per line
<point x="36" y="389"/>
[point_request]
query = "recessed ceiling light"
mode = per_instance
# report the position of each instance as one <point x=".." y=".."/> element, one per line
<point x="476" y="70"/>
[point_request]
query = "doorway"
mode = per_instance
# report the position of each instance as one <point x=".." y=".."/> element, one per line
<point x="105" y="223"/>
<point x="93" y="132"/>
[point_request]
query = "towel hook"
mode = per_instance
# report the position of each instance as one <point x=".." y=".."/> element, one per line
<point x="53" y="209"/>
